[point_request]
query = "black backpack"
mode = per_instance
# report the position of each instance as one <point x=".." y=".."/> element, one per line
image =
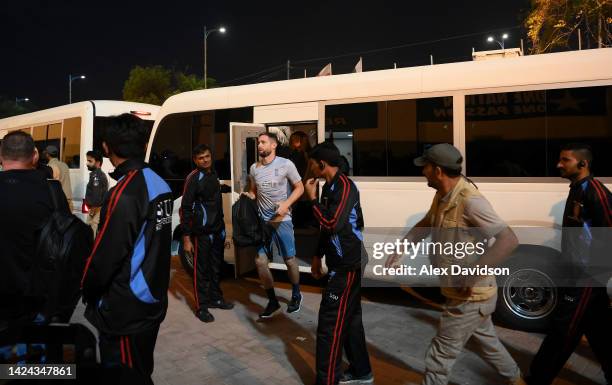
<point x="63" y="247"/>
<point x="246" y="225"/>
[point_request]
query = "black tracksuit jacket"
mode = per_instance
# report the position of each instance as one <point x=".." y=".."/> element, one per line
<point x="583" y="307"/>
<point x="125" y="282"/>
<point x="202" y="204"/>
<point x="341" y="220"/>
<point x="587" y="220"/>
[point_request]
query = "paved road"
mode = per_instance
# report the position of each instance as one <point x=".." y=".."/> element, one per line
<point x="236" y="349"/>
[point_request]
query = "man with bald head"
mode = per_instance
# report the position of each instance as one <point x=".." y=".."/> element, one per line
<point x="25" y="204"/>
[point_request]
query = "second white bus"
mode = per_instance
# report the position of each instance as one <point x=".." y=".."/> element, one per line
<point x="73" y="129"/>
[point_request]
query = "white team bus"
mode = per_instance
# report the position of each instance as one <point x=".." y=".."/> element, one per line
<point x="508" y="117"/>
<point x="73" y="129"/>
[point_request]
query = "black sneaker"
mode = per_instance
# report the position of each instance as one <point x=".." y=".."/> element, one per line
<point x="221" y="304"/>
<point x="295" y="304"/>
<point x="271" y="309"/>
<point x="204" y="315"/>
<point x="349" y="378"/>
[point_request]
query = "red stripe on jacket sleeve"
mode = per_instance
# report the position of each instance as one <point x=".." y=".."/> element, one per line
<point x="111" y="207"/>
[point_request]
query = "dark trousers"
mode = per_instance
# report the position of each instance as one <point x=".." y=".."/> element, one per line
<point x="128" y="359"/>
<point x="581" y="311"/>
<point x="340" y="326"/>
<point x="207" y="262"/>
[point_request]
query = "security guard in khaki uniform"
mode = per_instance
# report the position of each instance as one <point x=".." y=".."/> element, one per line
<point x="61" y="171"/>
<point x="460" y="214"/>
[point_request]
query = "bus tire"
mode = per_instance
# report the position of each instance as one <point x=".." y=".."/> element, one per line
<point x="528" y="296"/>
<point x="186" y="260"/>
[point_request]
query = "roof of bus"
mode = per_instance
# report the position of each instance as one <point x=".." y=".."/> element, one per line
<point x="562" y="67"/>
<point x="102" y="108"/>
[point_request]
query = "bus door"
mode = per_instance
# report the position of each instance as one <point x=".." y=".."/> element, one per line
<point x="243" y="153"/>
<point x="305" y="226"/>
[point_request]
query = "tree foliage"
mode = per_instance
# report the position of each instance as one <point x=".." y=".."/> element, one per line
<point x="148" y="85"/>
<point x="185" y="82"/>
<point x="554" y="24"/>
<point x="155" y="84"/>
<point x="8" y="107"/>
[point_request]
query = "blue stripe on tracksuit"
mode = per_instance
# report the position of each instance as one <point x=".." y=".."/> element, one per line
<point x="138" y="284"/>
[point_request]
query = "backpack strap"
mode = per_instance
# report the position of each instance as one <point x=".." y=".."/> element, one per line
<point x="53" y="194"/>
<point x="47" y="228"/>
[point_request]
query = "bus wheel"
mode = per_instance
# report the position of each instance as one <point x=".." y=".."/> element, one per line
<point x="186" y="260"/>
<point x="527" y="297"/>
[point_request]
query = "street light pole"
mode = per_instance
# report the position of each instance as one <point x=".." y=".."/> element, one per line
<point x="70" y="79"/>
<point x="206" y="33"/>
<point x="501" y="44"/>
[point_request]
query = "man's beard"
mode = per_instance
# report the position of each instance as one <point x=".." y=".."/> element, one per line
<point x="568" y="175"/>
<point x="264" y="154"/>
<point x="91" y="168"/>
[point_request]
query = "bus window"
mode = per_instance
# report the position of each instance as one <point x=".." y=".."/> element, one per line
<point x="171" y="151"/>
<point x="359" y="130"/>
<point x="414" y="125"/>
<point x="177" y="134"/>
<point x="580" y="115"/>
<point x="72" y="142"/>
<point x="40" y="137"/>
<point x="519" y="134"/>
<point x="54" y="132"/>
<point x="382" y="138"/>
<point x="47" y="135"/>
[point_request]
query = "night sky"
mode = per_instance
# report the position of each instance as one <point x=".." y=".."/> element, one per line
<point x="44" y="41"/>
